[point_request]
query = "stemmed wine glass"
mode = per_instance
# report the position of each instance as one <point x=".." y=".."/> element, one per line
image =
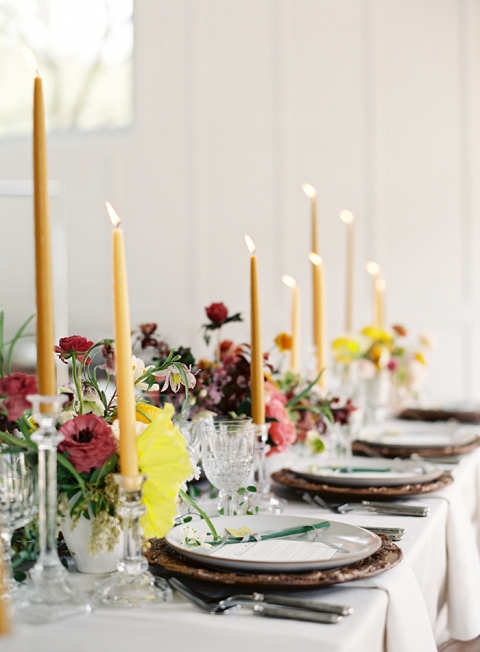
<point x="18" y="501"/>
<point x="227" y="457"/>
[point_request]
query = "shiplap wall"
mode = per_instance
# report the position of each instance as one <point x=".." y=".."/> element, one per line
<point x="238" y="102"/>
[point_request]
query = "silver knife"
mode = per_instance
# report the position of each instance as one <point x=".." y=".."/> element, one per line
<point x="393" y="533"/>
<point x="295" y="614"/>
<point x="397" y="508"/>
<point x="299" y="603"/>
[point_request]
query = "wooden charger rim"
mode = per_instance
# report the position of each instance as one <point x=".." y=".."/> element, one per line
<point x="378" y="449"/>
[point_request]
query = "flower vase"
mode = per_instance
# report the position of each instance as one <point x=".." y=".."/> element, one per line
<point x="77" y="536"/>
<point x="376" y="393"/>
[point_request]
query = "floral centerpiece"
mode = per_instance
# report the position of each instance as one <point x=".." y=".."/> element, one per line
<point x="87" y="456"/>
<point x="385" y="353"/>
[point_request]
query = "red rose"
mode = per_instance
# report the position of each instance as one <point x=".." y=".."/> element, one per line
<point x="88" y="441"/>
<point x="217" y="312"/>
<point x="16" y="387"/>
<point x="75" y="344"/>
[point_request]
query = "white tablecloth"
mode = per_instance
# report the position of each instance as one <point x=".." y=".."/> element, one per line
<point x="394" y="612"/>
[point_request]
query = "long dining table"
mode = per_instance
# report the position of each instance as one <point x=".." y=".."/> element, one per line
<point x="432" y="595"/>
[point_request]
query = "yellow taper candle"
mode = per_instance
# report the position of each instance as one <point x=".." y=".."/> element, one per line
<point x="380" y="287"/>
<point x="43" y="252"/>
<point x="319" y="317"/>
<point x="311" y="193"/>
<point x="123" y="353"/>
<point x="374" y="269"/>
<point x="256" y="368"/>
<point x="349" y="221"/>
<point x="295" y="333"/>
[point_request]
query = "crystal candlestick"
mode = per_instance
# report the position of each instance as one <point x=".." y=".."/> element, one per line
<point x="48" y="596"/>
<point x="132" y="585"/>
<point x="264" y="499"/>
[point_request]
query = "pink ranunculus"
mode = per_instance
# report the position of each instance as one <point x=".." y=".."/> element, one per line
<point x="16" y="388"/>
<point x="282" y="431"/>
<point x="88" y="441"/>
<point x="75" y="344"/>
<point x="217" y="312"/>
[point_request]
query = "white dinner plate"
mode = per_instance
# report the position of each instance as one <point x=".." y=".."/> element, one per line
<point x="366" y="472"/>
<point x="278" y="556"/>
<point x="421" y="437"/>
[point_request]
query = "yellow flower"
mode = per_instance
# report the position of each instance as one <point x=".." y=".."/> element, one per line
<point x="163" y="458"/>
<point x="345" y="349"/>
<point x="284" y="342"/>
<point x="146" y="413"/>
<point x="377" y="334"/>
<point x="418" y="356"/>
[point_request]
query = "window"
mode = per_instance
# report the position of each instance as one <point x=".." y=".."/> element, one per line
<point x="84" y="50"/>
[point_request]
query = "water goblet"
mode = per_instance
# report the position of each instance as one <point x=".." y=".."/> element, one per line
<point x="18" y="504"/>
<point x="227" y="456"/>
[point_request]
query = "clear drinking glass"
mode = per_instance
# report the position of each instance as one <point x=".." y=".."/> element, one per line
<point x="227" y="456"/>
<point x="18" y="501"/>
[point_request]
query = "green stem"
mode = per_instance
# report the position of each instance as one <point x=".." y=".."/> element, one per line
<point x="191" y="502"/>
<point x="78" y="383"/>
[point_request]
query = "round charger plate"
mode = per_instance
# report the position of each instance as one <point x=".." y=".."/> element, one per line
<point x="465" y="415"/>
<point x="360" y="447"/>
<point x="165" y="560"/>
<point x="361" y="472"/>
<point x="293" y="481"/>
<point x="287" y="555"/>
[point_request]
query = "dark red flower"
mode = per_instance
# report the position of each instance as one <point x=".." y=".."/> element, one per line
<point x="16" y="387"/>
<point x="108" y="353"/>
<point x="217" y="312"/>
<point x="73" y="345"/>
<point x="401" y="331"/>
<point x="88" y="441"/>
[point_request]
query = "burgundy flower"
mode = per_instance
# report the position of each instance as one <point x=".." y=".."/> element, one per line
<point x="16" y="387"/>
<point x="75" y="344"/>
<point x="88" y="441"/>
<point x="217" y="312"/>
<point x="108" y="353"/>
<point x="147" y="332"/>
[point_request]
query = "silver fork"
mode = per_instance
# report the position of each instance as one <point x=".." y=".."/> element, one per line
<point x="267" y="610"/>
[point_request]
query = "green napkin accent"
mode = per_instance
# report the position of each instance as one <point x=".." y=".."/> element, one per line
<point x="300" y="529"/>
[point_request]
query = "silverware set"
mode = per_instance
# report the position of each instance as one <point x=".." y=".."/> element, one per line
<point x="391" y="509"/>
<point x="270" y="606"/>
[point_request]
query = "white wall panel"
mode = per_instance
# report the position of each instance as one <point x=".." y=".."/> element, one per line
<point x="238" y="102"/>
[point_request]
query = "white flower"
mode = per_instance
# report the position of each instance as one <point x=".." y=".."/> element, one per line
<point x="174" y="378"/>
<point x="428" y="340"/>
<point x="314" y="442"/>
<point x="139" y="369"/>
<point x="192" y="538"/>
<point x="139" y="428"/>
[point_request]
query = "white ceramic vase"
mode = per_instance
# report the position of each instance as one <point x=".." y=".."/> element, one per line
<point x="77" y="541"/>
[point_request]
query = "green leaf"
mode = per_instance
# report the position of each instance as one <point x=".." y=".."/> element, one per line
<point x="252" y="489"/>
<point x="64" y="562"/>
<point x="298" y="397"/>
<point x="14" y="340"/>
<point x="20" y="576"/>
<point x="109" y="465"/>
<point x="16" y="442"/>
<point x="62" y="460"/>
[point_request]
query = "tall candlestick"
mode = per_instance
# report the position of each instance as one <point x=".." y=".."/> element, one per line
<point x="349" y="220"/>
<point x="319" y="317"/>
<point x="256" y="370"/>
<point x="380" y="287"/>
<point x="43" y="254"/>
<point x="295" y="334"/>
<point x="311" y="193"/>
<point x="123" y="353"/>
<point x="374" y="269"/>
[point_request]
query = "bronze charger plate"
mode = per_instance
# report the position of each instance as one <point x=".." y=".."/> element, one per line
<point x="377" y="449"/>
<point x="290" y="479"/>
<point x="421" y="414"/>
<point x="160" y="555"/>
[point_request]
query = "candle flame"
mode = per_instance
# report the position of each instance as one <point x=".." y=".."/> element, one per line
<point x="315" y="259"/>
<point x="309" y="190"/>
<point x="116" y="221"/>
<point x="372" y="268"/>
<point x="30" y="60"/>
<point x="346" y="216"/>
<point x="380" y="284"/>
<point x="289" y="280"/>
<point x="250" y="244"/>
